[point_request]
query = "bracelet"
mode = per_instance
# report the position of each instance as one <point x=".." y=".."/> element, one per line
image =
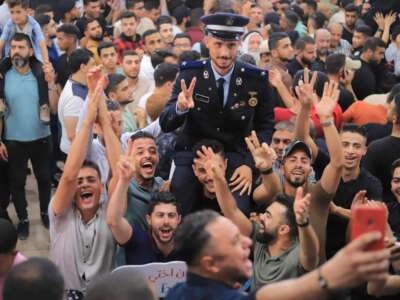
<point x="323" y="283"/>
<point x="266" y="171"/>
<point x="304" y="224"/>
<point x="327" y="123"/>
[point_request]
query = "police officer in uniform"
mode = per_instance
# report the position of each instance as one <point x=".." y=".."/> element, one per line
<point x="222" y="99"/>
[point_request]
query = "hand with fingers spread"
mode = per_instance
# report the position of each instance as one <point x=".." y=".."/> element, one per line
<point x="305" y="90"/>
<point x="185" y="97"/>
<point x="301" y="207"/>
<point x="329" y="100"/>
<point x="263" y="155"/>
<point x="389" y="19"/>
<point x="241" y="180"/>
<point x="353" y="265"/>
<point x="380" y="20"/>
<point x="213" y="164"/>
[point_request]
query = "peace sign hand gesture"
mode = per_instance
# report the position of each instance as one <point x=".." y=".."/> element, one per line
<point x="185" y="97"/>
<point x="328" y="102"/>
<point x="263" y="155"/>
<point x="305" y="90"/>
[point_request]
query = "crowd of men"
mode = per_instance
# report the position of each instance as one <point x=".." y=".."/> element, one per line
<point x="234" y="135"/>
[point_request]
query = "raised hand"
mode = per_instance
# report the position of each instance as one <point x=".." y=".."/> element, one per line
<point x="301" y="206"/>
<point x="92" y="78"/>
<point x="380" y="20"/>
<point x="185" y="97"/>
<point x="263" y="155"/>
<point x="213" y="164"/>
<point x="328" y="102"/>
<point x="95" y="97"/>
<point x="274" y="77"/>
<point x="125" y="168"/>
<point x="390" y="19"/>
<point x="242" y="179"/>
<point x="305" y="89"/>
<point x="359" y="198"/>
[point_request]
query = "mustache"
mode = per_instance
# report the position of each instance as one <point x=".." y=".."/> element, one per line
<point x="224" y="57"/>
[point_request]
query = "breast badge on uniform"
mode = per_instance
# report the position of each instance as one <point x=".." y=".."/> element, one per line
<point x="206" y="75"/>
<point x="239" y="81"/>
<point x="253" y="101"/>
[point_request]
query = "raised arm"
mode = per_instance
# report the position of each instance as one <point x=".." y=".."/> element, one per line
<point x="309" y="245"/>
<point x="275" y="79"/>
<point x="120" y="227"/>
<point x="331" y="176"/>
<point x="264" y="157"/>
<point x="66" y="189"/>
<point x="306" y="96"/>
<point x="226" y="201"/>
<point x="350" y="267"/>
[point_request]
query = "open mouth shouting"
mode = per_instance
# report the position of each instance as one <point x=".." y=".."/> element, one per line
<point x="148" y="167"/>
<point x="166" y="233"/>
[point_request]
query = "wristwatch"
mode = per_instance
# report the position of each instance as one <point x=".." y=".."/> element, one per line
<point x="323" y="283"/>
<point x="327" y="123"/>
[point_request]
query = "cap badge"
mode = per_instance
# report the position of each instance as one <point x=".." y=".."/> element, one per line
<point x="229" y="21"/>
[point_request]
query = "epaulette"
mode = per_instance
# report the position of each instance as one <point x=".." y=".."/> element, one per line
<point x="192" y="64"/>
<point x="250" y="70"/>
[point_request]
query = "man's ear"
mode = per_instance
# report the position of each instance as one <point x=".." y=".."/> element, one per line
<point x="208" y="264"/>
<point x="148" y="219"/>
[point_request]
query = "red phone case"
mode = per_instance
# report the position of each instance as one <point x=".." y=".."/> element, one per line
<point x="366" y="219"/>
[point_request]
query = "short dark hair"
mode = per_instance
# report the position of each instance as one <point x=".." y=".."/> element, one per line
<point x="163" y="20"/>
<point x="303" y="41"/>
<point x="113" y="81"/>
<point x="373" y="43"/>
<point x="42" y="9"/>
<point x="192" y="236"/>
<point x="180" y="12"/>
<point x="86" y="2"/>
<point x="14" y="3"/>
<point x="162" y="198"/>
<point x="91" y="165"/>
<point x="70" y="30"/>
<point x="36" y="278"/>
<point x="393" y="92"/>
<point x="149" y="5"/>
<point x="128" y="53"/>
<point x="351" y="7"/>
<point x="319" y="83"/>
<point x="215" y="145"/>
<point x="148" y="33"/>
<point x="335" y="62"/>
<point x="354" y="128"/>
<point x="292" y="17"/>
<point x="87" y="21"/>
<point x="188" y="56"/>
<point x="394" y="166"/>
<point x="311" y="3"/>
<point x="364" y="29"/>
<point x="182" y="35"/>
<point x="288" y="201"/>
<point x="141" y="135"/>
<point x="77" y="58"/>
<point x="9" y="237"/>
<point x="105" y="45"/>
<point x="159" y="57"/>
<point x="19" y="37"/>
<point x="43" y="20"/>
<point x="127" y="15"/>
<point x="165" y="72"/>
<point x="319" y="19"/>
<point x="248" y="59"/>
<point x="128" y="283"/>
<point x="275" y="38"/>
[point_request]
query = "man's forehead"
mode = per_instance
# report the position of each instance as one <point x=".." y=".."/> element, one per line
<point x="282" y="133"/>
<point x="165" y="208"/>
<point x="144" y="142"/>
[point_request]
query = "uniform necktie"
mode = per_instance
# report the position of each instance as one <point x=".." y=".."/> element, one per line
<point x="220" y="90"/>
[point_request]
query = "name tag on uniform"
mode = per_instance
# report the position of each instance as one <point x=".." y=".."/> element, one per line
<point x="202" y="98"/>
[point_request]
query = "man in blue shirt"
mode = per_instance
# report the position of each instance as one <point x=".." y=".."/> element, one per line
<point x="26" y="137"/>
<point x="217" y="257"/>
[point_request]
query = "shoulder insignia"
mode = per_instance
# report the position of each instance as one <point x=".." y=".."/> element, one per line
<point x="250" y="70"/>
<point x="196" y="64"/>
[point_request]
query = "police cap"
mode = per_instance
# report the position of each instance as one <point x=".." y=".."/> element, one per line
<point x="225" y="26"/>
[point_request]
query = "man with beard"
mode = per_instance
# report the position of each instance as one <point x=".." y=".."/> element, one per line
<point x="94" y="35"/>
<point x="216" y="253"/>
<point x="285" y="244"/>
<point x="129" y="39"/>
<point x="297" y="158"/>
<point x="92" y="10"/>
<point x="118" y="90"/>
<point x="323" y="42"/>
<point x="394" y="206"/>
<point x="365" y="79"/>
<point x="153" y="42"/>
<point x="108" y="58"/>
<point x="139" y="85"/>
<point x="305" y="55"/>
<point x="26" y="136"/>
<point x="229" y="100"/>
<point x="143" y="246"/>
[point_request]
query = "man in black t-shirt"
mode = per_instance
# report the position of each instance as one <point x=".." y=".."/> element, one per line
<point x="365" y="80"/>
<point x="383" y="152"/>
<point x="305" y="55"/>
<point x="354" y="179"/>
<point x="351" y="16"/>
<point x="92" y="10"/>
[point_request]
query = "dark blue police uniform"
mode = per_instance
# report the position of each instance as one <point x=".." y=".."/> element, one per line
<point x="200" y="288"/>
<point x="248" y="107"/>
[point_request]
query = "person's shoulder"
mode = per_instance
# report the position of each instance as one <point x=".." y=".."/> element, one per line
<point x="379" y="143"/>
<point x="367" y="175"/>
<point x="193" y="65"/>
<point x="249" y="70"/>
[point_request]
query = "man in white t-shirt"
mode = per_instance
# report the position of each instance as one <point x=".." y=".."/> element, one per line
<point x="73" y="96"/>
<point x="152" y="43"/>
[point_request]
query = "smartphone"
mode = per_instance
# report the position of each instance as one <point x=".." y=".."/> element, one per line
<point x="366" y="219"/>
